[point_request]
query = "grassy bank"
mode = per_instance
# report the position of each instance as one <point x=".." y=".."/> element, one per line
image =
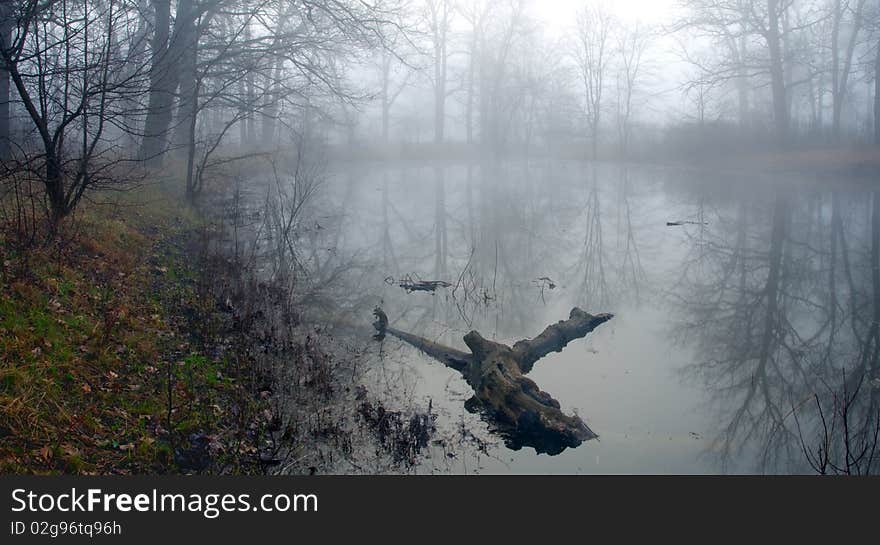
<point x="101" y="370"/>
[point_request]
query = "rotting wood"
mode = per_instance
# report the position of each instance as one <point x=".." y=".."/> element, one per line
<point x="424" y="285"/>
<point x="679" y="223"/>
<point x="520" y="411"/>
<point x="411" y="284"/>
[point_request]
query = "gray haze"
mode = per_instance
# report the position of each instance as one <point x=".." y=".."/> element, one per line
<point x="705" y="170"/>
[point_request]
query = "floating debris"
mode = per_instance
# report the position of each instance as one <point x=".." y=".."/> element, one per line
<point x="411" y="283"/>
<point x="685" y="222"/>
<point x="545" y="282"/>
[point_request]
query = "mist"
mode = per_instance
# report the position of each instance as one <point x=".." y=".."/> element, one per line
<point x="440" y="236"/>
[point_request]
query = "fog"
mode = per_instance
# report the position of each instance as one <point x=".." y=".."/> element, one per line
<point x="703" y="170"/>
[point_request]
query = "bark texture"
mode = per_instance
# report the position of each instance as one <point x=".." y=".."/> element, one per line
<point x="520" y="411"/>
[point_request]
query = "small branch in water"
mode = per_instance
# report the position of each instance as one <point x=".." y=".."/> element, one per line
<point x="544" y="283"/>
<point x="685" y="222"/>
<point x="411" y="284"/>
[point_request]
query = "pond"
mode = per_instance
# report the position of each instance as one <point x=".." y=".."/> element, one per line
<point x="742" y="304"/>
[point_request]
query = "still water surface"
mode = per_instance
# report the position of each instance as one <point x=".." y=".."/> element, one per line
<point x="725" y="325"/>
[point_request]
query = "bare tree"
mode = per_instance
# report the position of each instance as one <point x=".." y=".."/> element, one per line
<point x="734" y="24"/>
<point x="877" y="94"/>
<point x="592" y="53"/>
<point x="73" y="79"/>
<point x="496" y="67"/>
<point x="772" y="35"/>
<point x="6" y="24"/>
<point x="395" y="73"/>
<point x="632" y="43"/>
<point x="439" y="15"/>
<point x="476" y="13"/>
<point x="172" y="55"/>
<point x="841" y="66"/>
<point x="233" y="49"/>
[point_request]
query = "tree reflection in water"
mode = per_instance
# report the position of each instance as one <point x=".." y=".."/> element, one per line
<point x="773" y="285"/>
<point x="780" y="294"/>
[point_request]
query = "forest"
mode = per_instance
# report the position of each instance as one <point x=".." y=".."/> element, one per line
<point x="439" y="236"/>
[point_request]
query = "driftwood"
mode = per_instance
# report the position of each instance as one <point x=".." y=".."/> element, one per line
<point x="513" y="403"/>
<point x="410" y="284"/>
<point x="423" y="285"/>
<point x="679" y="223"/>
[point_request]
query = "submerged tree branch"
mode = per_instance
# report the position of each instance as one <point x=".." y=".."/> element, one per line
<point x="523" y="413"/>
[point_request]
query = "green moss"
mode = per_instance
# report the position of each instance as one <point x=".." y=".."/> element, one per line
<point x="86" y="331"/>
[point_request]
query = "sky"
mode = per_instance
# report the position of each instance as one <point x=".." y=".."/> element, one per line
<point x="559" y="14"/>
<point x="665" y="69"/>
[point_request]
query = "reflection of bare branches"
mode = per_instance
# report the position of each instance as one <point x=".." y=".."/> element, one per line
<point x="388" y="255"/>
<point x="845" y="445"/>
<point x="470" y="292"/>
<point x="440" y="234"/>
<point x="593" y="285"/>
<point x="544" y="283"/>
<point x="631" y="273"/>
<point x="767" y="329"/>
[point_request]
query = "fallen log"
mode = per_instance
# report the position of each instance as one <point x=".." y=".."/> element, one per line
<point x="410" y="284"/>
<point x="513" y="404"/>
<point x="679" y="223"/>
<point x="423" y="285"/>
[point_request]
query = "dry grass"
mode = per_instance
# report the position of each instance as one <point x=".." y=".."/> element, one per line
<point x="84" y="327"/>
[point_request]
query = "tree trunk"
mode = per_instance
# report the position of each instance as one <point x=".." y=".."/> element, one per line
<point x="163" y="83"/>
<point x="836" y="17"/>
<point x="189" y="117"/>
<point x="272" y="108"/>
<point x="513" y="403"/>
<point x="439" y="31"/>
<point x="242" y="126"/>
<point x="840" y="76"/>
<point x="469" y="100"/>
<point x="877" y="96"/>
<point x="251" y="98"/>
<point x="777" y="74"/>
<point x="386" y="95"/>
<point x="742" y="85"/>
<point x="184" y="46"/>
<point x="483" y="93"/>
<point x="440" y="91"/>
<point x="54" y="183"/>
<point x="5" y="118"/>
<point x="785" y="39"/>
